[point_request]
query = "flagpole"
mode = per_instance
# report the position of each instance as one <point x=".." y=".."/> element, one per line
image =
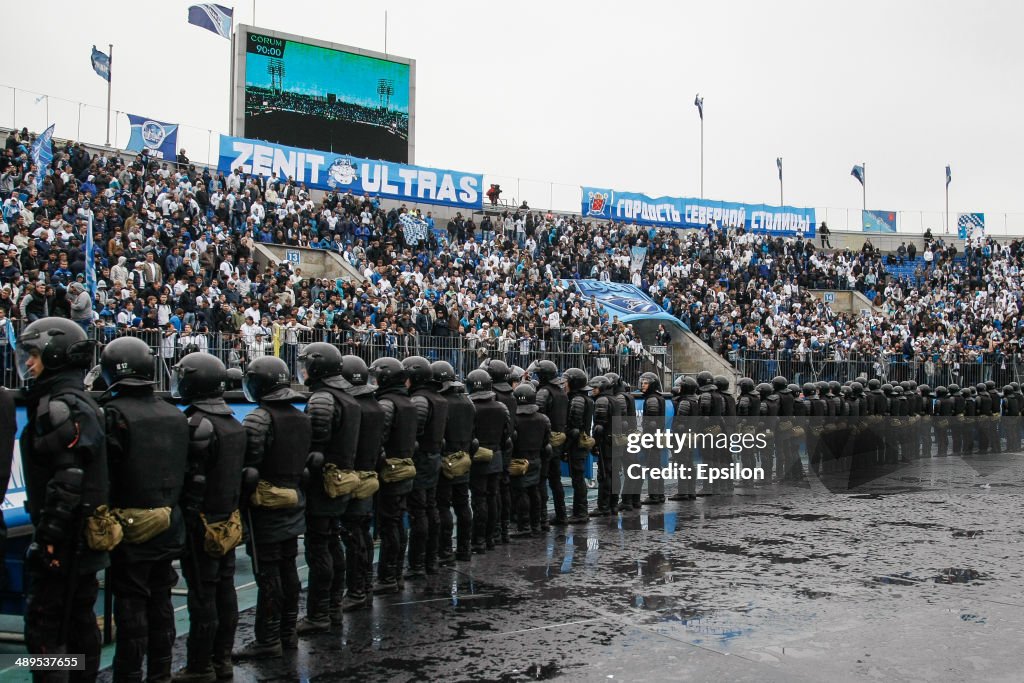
<point x="864" y="185"/>
<point x="110" y="77"/>
<point x="947" y="203"/>
<point x="702" y="155"/>
<point x="781" y="199"/>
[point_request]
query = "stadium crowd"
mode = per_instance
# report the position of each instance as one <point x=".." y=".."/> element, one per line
<point x="174" y="247"/>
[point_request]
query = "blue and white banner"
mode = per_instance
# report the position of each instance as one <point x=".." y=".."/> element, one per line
<point x="970" y="225"/>
<point x="878" y="221"/>
<point x="637" y="255"/>
<point x="414" y="229"/>
<point x="331" y="171"/>
<point x="618" y="300"/>
<point x="681" y="212"/>
<point x="42" y="154"/>
<point x="100" y="63"/>
<point x="161" y="139"/>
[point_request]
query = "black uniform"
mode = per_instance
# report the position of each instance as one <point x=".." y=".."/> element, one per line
<point x="606" y="410"/>
<point x="654" y="419"/>
<point x="217" y="452"/>
<point x="355" y="522"/>
<point x="454" y="493"/>
<point x="64" y="460"/>
<point x="686" y="406"/>
<point x="628" y="488"/>
<point x="278" y="443"/>
<point x="399" y="441"/>
<point x="711" y="403"/>
<point x="503" y="394"/>
<point x="532" y="437"/>
<point x="748" y="408"/>
<point x="493" y="430"/>
<point x="147" y="456"/>
<point x="8" y="430"/>
<point x="579" y="417"/>
<point x="431" y="420"/>
<point x="335" y="419"/>
<point x="553" y="403"/>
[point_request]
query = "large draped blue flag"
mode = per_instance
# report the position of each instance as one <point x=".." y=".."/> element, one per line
<point x="101" y="64"/>
<point x="42" y="154"/>
<point x="216" y="18"/>
<point x="159" y="138"/>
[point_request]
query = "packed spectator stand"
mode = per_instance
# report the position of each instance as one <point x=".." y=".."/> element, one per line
<point x="174" y="252"/>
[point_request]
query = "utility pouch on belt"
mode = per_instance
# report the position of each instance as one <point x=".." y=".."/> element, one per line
<point x="273" y="497"/>
<point x="586" y="441"/>
<point x="620" y="439"/>
<point x="339" y="482"/>
<point x="518" y="467"/>
<point x="141" y="524"/>
<point x="456" y="464"/>
<point x="398" y="469"/>
<point x="102" y="530"/>
<point x="483" y="455"/>
<point x="557" y="439"/>
<point x="220" y="538"/>
<point x="368" y="485"/>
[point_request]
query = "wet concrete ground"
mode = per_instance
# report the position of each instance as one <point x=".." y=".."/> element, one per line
<point x="917" y="576"/>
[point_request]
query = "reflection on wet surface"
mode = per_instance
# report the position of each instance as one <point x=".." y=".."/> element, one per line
<point x="918" y="576"/>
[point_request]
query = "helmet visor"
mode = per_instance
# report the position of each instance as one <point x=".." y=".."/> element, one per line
<point x="178" y="374"/>
<point x="22" y="355"/>
<point x="249" y="389"/>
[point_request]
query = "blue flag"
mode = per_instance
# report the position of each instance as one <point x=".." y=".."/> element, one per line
<point x="778" y="162"/>
<point x="858" y="173"/>
<point x="42" y="154"/>
<point x="101" y="64"/>
<point x="216" y="18"/>
<point x="949" y="175"/>
<point x="90" y="261"/>
<point x="161" y="139"/>
<point x="698" y="102"/>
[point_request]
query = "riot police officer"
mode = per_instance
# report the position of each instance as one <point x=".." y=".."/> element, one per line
<point x="687" y="406"/>
<point x="606" y="410"/>
<point x="355" y="521"/>
<point x="334" y="417"/>
<point x="278" y="439"/>
<point x="399" y="441"/>
<point x="711" y="405"/>
<point x="452" y="486"/>
<point x="579" y="418"/>
<point x="531" y="438"/>
<point x="654" y="419"/>
<point x="492" y="426"/>
<point x="216" y="453"/>
<point x="630" y="489"/>
<point x="553" y="402"/>
<point x="748" y="409"/>
<point x="432" y="421"/>
<point x="64" y="460"/>
<point x="769" y="408"/>
<point x="147" y="454"/>
<point x="500" y="377"/>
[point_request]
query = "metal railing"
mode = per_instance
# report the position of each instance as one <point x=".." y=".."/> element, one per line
<point x="237" y="350"/>
<point x="762" y="366"/>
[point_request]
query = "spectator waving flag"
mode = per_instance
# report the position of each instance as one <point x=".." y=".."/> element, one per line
<point x="858" y="173"/>
<point x="101" y="64"/>
<point x="414" y="229"/>
<point x="216" y="18"/>
<point x="42" y="154"/>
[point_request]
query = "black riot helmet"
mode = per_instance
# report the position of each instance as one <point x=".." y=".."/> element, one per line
<point x="941" y="392"/>
<point x="59" y="343"/>
<point x="264" y="375"/>
<point x="689" y="386"/>
<point x="764" y="389"/>
<point x="834" y="387"/>
<point x="1008" y="390"/>
<point x="497" y="369"/>
<point x="525" y="394"/>
<point x="197" y="376"/>
<point x="388" y="372"/>
<point x="990" y="385"/>
<point x="478" y="381"/>
<point x="353" y="369"/>
<point x="127" y="361"/>
<point x="822" y="388"/>
<point x="874" y="384"/>
<point x="779" y="383"/>
<point x="887" y="389"/>
<point x="653" y="383"/>
<point x="1016" y="386"/>
<point x="233" y="379"/>
<point x="444" y="374"/>
<point x="857" y="388"/>
<point x="319" y="360"/>
<point x="545" y="370"/>
<point x="954" y="388"/>
<point x="745" y="385"/>
<point x="793" y="388"/>
<point x="810" y="389"/>
<point x="417" y="369"/>
<point x="925" y="390"/>
<point x="705" y="378"/>
<point x="577" y="379"/>
<point x="722" y="382"/>
<point x="599" y="382"/>
<point x="980" y="386"/>
<point x="516" y="374"/>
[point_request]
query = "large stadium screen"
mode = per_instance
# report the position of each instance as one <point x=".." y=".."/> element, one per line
<point x="303" y="93"/>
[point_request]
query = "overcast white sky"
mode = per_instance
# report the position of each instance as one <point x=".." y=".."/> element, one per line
<point x="601" y="93"/>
